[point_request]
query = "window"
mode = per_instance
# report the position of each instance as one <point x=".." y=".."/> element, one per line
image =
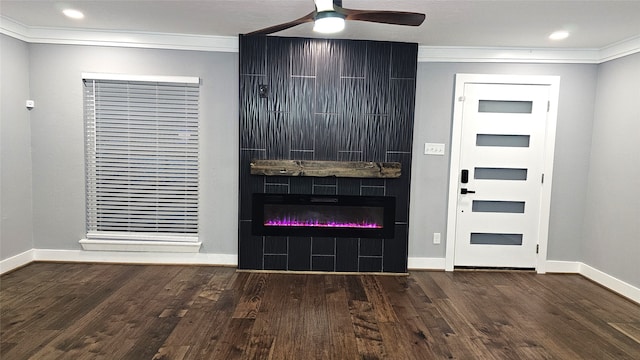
<point x="141" y="136"/>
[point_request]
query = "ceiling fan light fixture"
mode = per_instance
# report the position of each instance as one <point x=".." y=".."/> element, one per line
<point x="328" y="22"/>
<point x="329" y="17"/>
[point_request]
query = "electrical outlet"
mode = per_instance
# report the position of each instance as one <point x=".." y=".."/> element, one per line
<point x="433" y="149"/>
<point x="436" y="238"/>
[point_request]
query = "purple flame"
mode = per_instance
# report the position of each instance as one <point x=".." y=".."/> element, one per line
<point x="318" y="223"/>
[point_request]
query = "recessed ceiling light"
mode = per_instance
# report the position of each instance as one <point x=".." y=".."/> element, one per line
<point x="74" y="14"/>
<point x="559" y="35"/>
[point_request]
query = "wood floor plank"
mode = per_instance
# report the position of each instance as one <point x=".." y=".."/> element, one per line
<point x="196" y="313"/>
<point x="234" y="341"/>
<point x="342" y="336"/>
<point x="104" y="311"/>
<point x="251" y="297"/>
<point x="213" y="319"/>
<point x="262" y="341"/>
<point x="171" y="353"/>
<point x="378" y="299"/>
<point x="438" y="329"/>
<point x="631" y="330"/>
<point x="368" y="337"/>
<point x="409" y="325"/>
<point x="289" y="329"/>
<point x="314" y="319"/>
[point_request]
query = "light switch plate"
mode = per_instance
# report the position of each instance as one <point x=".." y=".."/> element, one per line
<point x="433" y="149"/>
<point x="436" y="238"/>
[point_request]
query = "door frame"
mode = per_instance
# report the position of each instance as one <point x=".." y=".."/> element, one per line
<point x="549" y="148"/>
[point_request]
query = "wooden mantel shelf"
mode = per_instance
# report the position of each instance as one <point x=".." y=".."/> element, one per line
<point x="348" y="169"/>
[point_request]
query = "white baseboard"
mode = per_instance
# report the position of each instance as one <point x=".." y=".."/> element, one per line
<point x="16" y="261"/>
<point x="556" y="266"/>
<point x="135" y="257"/>
<point x="423" y="263"/>
<point x="616" y="285"/>
<point x="164" y="258"/>
<point x="625" y="289"/>
<point x="552" y="266"/>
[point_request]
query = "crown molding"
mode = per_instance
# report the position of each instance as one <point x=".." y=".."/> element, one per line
<point x="67" y="36"/>
<point x="506" y="55"/>
<point x="534" y="55"/>
<point x="620" y="49"/>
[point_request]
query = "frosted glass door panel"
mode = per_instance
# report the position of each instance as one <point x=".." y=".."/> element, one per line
<point x="512" y="207"/>
<point x="481" y="173"/>
<point x="495" y="239"/>
<point x="502" y="140"/>
<point x="505" y="107"/>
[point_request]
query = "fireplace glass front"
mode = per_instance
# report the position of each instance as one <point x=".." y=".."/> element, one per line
<point x="323" y="215"/>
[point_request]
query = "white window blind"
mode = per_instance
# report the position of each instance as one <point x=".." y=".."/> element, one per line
<point x="141" y="158"/>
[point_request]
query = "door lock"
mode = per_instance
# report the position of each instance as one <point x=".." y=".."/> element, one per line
<point x="465" y="191"/>
<point x="464" y="177"/>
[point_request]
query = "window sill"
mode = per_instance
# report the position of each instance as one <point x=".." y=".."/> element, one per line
<point x="142" y="246"/>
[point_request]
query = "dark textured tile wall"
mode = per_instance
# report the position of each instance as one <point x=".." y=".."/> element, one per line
<point x="345" y="100"/>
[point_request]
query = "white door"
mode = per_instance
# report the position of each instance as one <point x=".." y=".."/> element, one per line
<point x="500" y="174"/>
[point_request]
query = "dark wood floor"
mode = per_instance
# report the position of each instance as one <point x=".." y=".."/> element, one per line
<point x="99" y="311"/>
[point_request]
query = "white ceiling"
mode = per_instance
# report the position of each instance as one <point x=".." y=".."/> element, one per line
<point x="454" y="23"/>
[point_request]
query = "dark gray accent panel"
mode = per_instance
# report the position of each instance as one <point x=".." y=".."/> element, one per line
<point x="253" y="135"/>
<point x="396" y="250"/>
<point x="323" y="263"/>
<point x="347" y="255"/>
<point x="401" y="186"/>
<point x="354" y="59"/>
<point x="371" y="247"/>
<point x="275" y="262"/>
<point x="252" y="57"/>
<point x="249" y="184"/>
<point x="323" y="246"/>
<point x="303" y="57"/>
<point x="302" y="114"/>
<point x="403" y="65"/>
<point x="345" y="100"/>
<point x="275" y="245"/>
<point x="251" y="248"/>
<point x="370" y="264"/>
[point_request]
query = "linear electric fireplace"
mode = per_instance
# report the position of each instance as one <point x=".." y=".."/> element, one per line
<point x="323" y="215"/>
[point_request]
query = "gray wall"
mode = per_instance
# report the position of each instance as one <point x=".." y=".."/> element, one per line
<point x="434" y="114"/>
<point x="15" y="149"/>
<point x="611" y="231"/>
<point x="58" y="145"/>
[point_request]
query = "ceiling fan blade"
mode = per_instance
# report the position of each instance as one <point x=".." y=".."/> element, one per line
<point x="383" y="16"/>
<point x="272" y="29"/>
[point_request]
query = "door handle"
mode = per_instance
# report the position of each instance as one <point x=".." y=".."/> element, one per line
<point x="464" y="177"/>
<point x="465" y="191"/>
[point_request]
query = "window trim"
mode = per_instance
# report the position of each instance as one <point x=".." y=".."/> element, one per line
<point x="139" y="241"/>
<point x="149" y="78"/>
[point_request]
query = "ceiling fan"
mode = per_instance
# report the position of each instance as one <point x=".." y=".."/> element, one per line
<point x="329" y="16"/>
